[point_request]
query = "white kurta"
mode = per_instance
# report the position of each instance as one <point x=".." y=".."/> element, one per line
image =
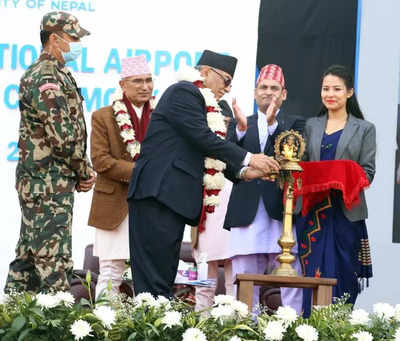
<point x="215" y="240"/>
<point x="112" y="244"/>
<point x="262" y="235"/>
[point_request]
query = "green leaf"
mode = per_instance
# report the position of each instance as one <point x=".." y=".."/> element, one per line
<point x="88" y="277"/>
<point x="38" y="311"/>
<point x="85" y="302"/>
<point x="18" y="323"/>
<point x="132" y="337"/>
<point x="23" y="334"/>
<point x="158" y="322"/>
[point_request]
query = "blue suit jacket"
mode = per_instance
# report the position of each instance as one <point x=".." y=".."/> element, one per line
<point x="171" y="162"/>
<point x="243" y="203"/>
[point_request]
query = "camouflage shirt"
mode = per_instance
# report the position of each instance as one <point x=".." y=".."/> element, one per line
<point x="52" y="133"/>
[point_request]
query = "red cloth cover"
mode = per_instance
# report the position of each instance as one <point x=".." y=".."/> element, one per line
<point x="319" y="177"/>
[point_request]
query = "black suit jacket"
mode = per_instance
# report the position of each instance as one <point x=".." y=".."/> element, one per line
<point x="243" y="203"/>
<point x="171" y="162"/>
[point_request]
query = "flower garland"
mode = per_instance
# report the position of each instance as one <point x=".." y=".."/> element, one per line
<point x="124" y="122"/>
<point x="213" y="180"/>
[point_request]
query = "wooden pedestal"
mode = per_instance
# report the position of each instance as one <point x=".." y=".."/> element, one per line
<point x="322" y="287"/>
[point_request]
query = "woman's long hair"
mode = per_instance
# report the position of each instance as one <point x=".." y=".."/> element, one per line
<point x="352" y="106"/>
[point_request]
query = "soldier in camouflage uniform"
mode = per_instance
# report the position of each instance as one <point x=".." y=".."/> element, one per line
<point x="52" y="160"/>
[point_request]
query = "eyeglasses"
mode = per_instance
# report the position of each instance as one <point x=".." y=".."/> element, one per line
<point x="227" y="81"/>
<point x="140" y="81"/>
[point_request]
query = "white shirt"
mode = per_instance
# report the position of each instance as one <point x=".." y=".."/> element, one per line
<point x="264" y="130"/>
<point x="138" y="111"/>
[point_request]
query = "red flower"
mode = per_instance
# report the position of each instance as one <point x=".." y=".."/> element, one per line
<point x="210" y="209"/>
<point x="211" y="171"/>
<point x="310" y="222"/>
<point x="304" y="246"/>
<point x="313" y="239"/>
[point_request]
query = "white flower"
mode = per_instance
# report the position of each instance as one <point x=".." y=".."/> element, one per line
<point x="209" y="97"/>
<point x="384" y="310"/>
<point x="215" y="122"/>
<point x="163" y="300"/>
<point x="287" y="314"/>
<point x="47" y="300"/>
<point x="119" y="106"/>
<point x="222" y="311"/>
<point x="146" y="299"/>
<point x="274" y="331"/>
<point x="215" y="181"/>
<point x="397" y="335"/>
<point x="362" y="336"/>
<point x="80" y="329"/>
<point x="211" y="200"/>
<point x="133" y="148"/>
<point x="123" y="119"/>
<point x="127" y="134"/>
<point x="188" y="74"/>
<point x="223" y="299"/>
<point x="211" y="163"/>
<point x="359" y="316"/>
<point x="241" y="308"/>
<point x="172" y="318"/>
<point x="235" y="338"/>
<point x="307" y="333"/>
<point x="3" y="298"/>
<point x="66" y="298"/>
<point x="397" y="312"/>
<point x="106" y="315"/>
<point x="193" y="334"/>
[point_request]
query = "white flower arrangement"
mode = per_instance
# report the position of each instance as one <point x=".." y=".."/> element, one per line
<point x="193" y="334"/>
<point x="223" y="299"/>
<point x="124" y="123"/>
<point x="223" y="311"/>
<point x="209" y="98"/>
<point x="384" y="311"/>
<point x="215" y="164"/>
<point x="397" y="335"/>
<point x="359" y="317"/>
<point x="171" y="319"/>
<point x="81" y="329"/>
<point x="215" y="181"/>
<point x="66" y="298"/>
<point x="287" y="315"/>
<point x="146" y="299"/>
<point x="274" y="331"/>
<point x="307" y="333"/>
<point x="47" y="301"/>
<point x="362" y="336"/>
<point x="240" y="308"/>
<point x="189" y="74"/>
<point x="215" y="122"/>
<point x="106" y="315"/>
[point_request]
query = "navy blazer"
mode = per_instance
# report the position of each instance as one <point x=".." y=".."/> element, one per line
<point x="243" y="203"/>
<point x="171" y="162"/>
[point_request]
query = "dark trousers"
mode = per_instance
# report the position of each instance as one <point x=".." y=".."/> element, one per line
<point x="155" y="237"/>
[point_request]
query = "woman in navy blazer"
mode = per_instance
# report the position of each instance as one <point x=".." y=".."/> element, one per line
<point x="333" y="240"/>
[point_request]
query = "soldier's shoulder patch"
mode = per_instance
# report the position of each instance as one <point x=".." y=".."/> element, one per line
<point x="47" y="86"/>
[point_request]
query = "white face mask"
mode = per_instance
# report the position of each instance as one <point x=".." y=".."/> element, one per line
<point x="75" y="50"/>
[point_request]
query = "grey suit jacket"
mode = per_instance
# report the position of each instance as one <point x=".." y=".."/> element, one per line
<point x="357" y="143"/>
